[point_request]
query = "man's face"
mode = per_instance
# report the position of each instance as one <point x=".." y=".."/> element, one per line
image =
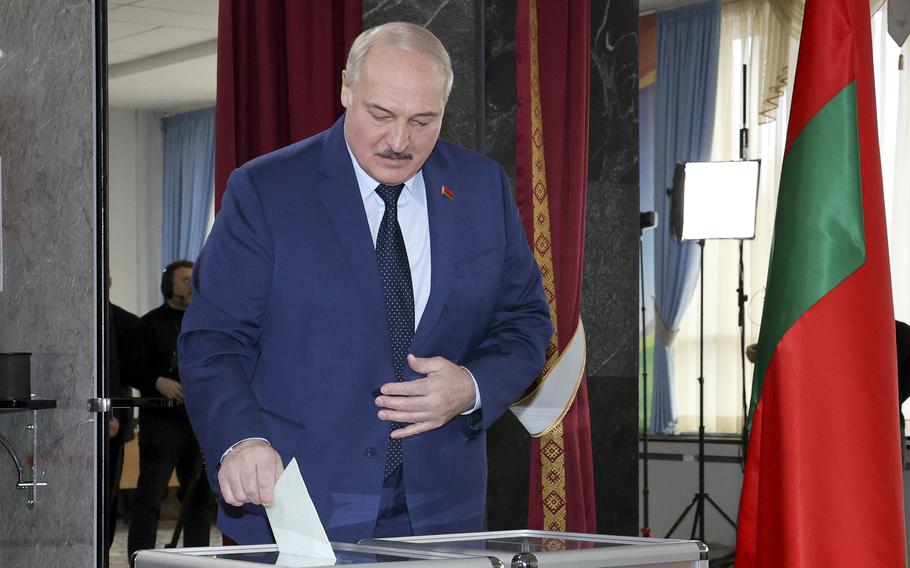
<point x="183" y="293"/>
<point x="394" y="112"/>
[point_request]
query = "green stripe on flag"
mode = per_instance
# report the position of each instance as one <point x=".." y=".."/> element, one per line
<point x="819" y="238"/>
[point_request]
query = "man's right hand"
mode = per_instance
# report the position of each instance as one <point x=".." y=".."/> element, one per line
<point x="169" y="388"/>
<point x="248" y="474"/>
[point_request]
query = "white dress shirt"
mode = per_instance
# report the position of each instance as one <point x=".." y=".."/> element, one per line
<point x="415" y="228"/>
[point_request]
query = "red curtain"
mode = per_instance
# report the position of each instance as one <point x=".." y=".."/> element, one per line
<point x="553" y="41"/>
<point x="279" y="74"/>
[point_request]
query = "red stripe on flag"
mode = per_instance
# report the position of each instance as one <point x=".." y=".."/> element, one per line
<point x="816" y="82"/>
<point x="823" y="478"/>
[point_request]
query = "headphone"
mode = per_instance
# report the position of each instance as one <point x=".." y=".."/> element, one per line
<point x="167" y="277"/>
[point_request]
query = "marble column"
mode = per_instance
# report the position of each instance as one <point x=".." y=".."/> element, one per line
<point x="47" y="160"/>
<point x="610" y="286"/>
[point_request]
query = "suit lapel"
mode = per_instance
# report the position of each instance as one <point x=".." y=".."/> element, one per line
<point x="441" y="212"/>
<point x="341" y="197"/>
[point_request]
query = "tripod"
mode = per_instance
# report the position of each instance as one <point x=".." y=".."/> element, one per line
<point x="698" y="501"/>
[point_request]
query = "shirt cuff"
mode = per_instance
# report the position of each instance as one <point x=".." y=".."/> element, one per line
<point x="476" y="393"/>
<point x="231" y="449"/>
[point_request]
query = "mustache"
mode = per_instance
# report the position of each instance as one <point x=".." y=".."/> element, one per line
<point x="390" y="154"/>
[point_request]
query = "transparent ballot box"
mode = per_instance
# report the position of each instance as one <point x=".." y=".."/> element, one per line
<point x="532" y="549"/>
<point x="388" y="555"/>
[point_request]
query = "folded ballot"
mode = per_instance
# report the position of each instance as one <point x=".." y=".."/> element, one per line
<point x="298" y="531"/>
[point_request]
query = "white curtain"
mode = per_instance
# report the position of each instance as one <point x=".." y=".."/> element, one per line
<point x="749" y="32"/>
<point x="892" y="93"/>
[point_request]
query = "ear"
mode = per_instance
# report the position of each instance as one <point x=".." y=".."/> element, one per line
<point x="347" y="94"/>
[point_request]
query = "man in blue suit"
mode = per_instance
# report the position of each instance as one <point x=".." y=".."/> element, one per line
<point x="367" y="303"/>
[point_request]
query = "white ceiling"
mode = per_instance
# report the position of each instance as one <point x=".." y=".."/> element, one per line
<point x="162" y="54"/>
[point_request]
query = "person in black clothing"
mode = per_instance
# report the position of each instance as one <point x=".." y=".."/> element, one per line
<point x="166" y="440"/>
<point x="902" y="331"/>
<point x="121" y="425"/>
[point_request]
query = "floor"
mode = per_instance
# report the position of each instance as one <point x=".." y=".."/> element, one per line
<point x="165" y="532"/>
<point x="169" y="510"/>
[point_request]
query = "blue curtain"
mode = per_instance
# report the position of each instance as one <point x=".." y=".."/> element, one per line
<point x="189" y="182"/>
<point x="687" y="53"/>
<point x="647" y="115"/>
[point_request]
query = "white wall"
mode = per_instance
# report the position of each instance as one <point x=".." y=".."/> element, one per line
<point x="135" y="170"/>
<point x="674" y="482"/>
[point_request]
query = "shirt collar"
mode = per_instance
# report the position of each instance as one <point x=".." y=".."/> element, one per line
<point x="414" y="186"/>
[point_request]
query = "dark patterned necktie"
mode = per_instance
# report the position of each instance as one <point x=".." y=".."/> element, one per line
<point x="399" y="297"/>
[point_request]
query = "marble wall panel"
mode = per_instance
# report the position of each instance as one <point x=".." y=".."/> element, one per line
<point x="610" y="281"/>
<point x="613" y="150"/>
<point x="609" y="302"/>
<point x="47" y="149"/>
<point x="614" y="440"/>
<point x="454" y="24"/>
<point x="499" y="63"/>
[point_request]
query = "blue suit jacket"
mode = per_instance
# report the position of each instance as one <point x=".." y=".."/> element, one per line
<point x="287" y="338"/>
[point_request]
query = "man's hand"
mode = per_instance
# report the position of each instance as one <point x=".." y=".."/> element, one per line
<point x="169" y="388"/>
<point x="248" y="474"/>
<point x="424" y="404"/>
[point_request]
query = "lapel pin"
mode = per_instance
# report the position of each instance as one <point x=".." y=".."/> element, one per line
<point x="446" y="192"/>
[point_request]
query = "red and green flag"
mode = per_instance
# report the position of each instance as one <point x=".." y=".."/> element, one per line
<point x="822" y="486"/>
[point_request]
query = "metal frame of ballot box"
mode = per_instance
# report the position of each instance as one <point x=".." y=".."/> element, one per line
<point x="232" y="557"/>
<point x="542" y="549"/>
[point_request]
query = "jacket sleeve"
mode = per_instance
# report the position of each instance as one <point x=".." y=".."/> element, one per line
<point x="219" y="344"/>
<point x="512" y="353"/>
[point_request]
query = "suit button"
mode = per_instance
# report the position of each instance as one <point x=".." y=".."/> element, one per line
<point x="370" y="453"/>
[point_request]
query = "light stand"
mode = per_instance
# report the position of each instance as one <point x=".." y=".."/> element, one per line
<point x="741" y="297"/>
<point x="698" y="500"/>
<point x="646" y="220"/>
<point x="741" y="300"/>
<point x="711" y="200"/>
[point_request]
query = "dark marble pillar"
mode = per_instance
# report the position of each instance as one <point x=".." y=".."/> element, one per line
<point x="610" y="285"/>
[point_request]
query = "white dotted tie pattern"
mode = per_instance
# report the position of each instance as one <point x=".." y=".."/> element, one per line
<point x="395" y="273"/>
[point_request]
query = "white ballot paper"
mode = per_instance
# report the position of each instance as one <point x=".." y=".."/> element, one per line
<point x="298" y="532"/>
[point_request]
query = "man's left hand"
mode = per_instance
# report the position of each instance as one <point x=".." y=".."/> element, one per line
<point x="424" y="404"/>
